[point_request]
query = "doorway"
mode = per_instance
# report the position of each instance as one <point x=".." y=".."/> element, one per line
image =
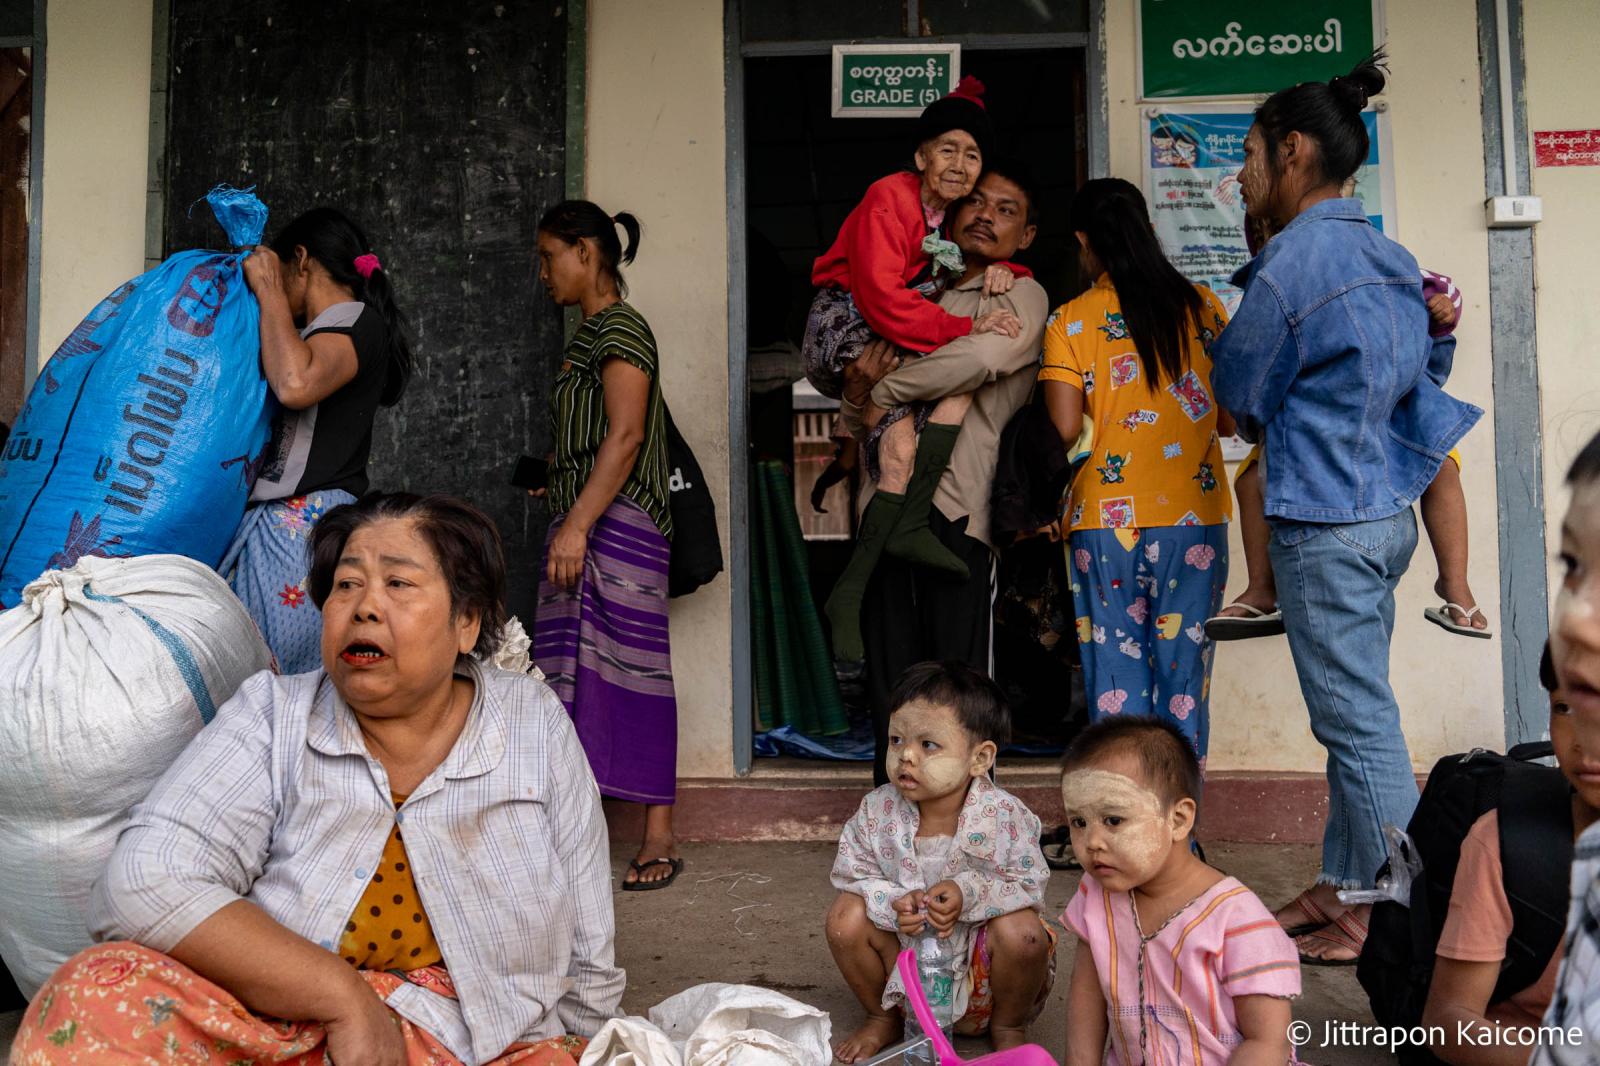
<point x="803" y="172"/>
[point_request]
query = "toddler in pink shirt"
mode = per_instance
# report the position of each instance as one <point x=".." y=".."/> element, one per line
<point x="1176" y="963"/>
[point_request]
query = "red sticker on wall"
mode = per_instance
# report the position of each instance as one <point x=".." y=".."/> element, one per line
<point x="1566" y="148"/>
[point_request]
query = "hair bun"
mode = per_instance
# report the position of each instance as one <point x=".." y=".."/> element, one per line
<point x="1349" y="91"/>
<point x="1362" y="83"/>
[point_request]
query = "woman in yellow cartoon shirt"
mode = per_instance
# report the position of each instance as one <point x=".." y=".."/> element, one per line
<point x="1147" y="515"/>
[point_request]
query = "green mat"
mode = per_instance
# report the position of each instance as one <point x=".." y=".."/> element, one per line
<point x="794" y="680"/>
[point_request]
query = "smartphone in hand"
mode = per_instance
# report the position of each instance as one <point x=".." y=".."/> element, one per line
<point x="531" y="474"/>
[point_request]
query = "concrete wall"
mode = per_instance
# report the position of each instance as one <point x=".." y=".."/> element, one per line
<point x="1448" y="687"/>
<point x="656" y="147"/>
<point x="96" y="157"/>
<point x="1563" y="93"/>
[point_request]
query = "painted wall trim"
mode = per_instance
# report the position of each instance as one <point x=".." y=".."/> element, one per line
<point x="577" y="96"/>
<point x="974" y="41"/>
<point x="1518" y="444"/>
<point x="31" y="355"/>
<point x="738" y="400"/>
<point x="1097" y="100"/>
<point x="155" y="210"/>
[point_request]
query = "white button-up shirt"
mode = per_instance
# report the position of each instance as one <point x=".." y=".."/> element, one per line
<point x="278" y="802"/>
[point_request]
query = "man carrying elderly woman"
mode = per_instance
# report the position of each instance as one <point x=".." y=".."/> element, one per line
<point x="399" y="858"/>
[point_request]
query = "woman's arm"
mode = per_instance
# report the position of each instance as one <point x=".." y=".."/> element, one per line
<point x="627" y="399"/>
<point x="1065" y="404"/>
<point x="301" y="373"/>
<point x="1255" y="359"/>
<point x="1264" y="1024"/>
<point x="1458" y="996"/>
<point x="192" y="850"/>
<point x="1087" y="1024"/>
<point x="276" y="973"/>
<point x="880" y="248"/>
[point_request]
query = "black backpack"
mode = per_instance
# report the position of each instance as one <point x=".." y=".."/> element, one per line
<point x="696" y="548"/>
<point x="1031" y="474"/>
<point x="1535" y="805"/>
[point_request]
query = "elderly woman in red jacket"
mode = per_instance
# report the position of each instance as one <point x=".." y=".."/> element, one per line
<point x="881" y="279"/>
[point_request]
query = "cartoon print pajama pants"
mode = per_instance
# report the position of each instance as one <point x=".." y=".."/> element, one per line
<point x="1142" y="597"/>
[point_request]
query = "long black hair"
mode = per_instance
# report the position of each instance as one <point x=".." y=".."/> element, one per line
<point x="332" y="239"/>
<point x="1327" y="112"/>
<point x="1159" y="305"/>
<point x="573" y="220"/>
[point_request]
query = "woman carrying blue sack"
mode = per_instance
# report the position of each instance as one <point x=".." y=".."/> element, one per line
<point x="334" y="348"/>
<point x="1329" y="365"/>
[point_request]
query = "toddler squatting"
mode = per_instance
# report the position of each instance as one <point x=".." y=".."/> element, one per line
<point x="943" y="846"/>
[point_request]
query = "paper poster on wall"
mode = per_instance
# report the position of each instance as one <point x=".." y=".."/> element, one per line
<point x="1191" y="182"/>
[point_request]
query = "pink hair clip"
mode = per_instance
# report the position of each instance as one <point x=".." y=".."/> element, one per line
<point x="366" y="264"/>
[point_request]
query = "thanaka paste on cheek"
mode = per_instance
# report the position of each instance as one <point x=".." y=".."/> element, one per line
<point x="1135" y="847"/>
<point x="940" y="772"/>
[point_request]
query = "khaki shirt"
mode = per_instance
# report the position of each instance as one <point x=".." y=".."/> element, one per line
<point x="999" y="370"/>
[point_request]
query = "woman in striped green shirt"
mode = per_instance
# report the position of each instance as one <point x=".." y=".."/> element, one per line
<point x="601" y="631"/>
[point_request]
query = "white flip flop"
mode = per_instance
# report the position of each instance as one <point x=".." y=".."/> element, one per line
<point x="1440" y="616"/>
<point x="1259" y="624"/>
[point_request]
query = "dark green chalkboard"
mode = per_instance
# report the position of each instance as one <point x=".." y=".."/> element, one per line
<point x="442" y="129"/>
<point x="1197" y="48"/>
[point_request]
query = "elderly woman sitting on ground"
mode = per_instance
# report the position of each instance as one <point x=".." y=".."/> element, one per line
<point x="402" y="856"/>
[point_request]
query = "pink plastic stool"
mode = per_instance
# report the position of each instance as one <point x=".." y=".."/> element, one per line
<point x="1027" y="1055"/>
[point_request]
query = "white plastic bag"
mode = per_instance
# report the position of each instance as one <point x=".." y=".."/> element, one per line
<point x="717" y="1025"/>
<point x="107" y="671"/>
<point x="1404" y="867"/>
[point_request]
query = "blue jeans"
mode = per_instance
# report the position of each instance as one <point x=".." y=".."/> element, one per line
<point x="1336" y="590"/>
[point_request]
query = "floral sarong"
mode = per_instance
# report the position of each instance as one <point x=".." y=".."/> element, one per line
<point x="123" y="1003"/>
<point x="267" y="564"/>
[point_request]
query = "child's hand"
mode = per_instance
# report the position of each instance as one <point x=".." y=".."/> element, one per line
<point x="944" y="906"/>
<point x="908" y="913"/>
<point x="1440" y="309"/>
<point x="997" y="280"/>
<point x="1000" y="321"/>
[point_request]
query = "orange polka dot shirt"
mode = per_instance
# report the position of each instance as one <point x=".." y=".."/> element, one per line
<point x="389" y="929"/>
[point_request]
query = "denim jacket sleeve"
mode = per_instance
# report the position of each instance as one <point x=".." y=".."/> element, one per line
<point x="1256" y="358"/>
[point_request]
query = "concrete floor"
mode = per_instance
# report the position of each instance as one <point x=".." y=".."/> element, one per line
<point x="752" y="914"/>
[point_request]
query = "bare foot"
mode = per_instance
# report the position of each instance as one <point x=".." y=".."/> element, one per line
<point x="653" y="848"/>
<point x="1459" y="592"/>
<point x="875" y="1034"/>
<point x="1005" y="1037"/>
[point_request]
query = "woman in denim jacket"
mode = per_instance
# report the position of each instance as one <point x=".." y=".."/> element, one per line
<point x="1328" y="364"/>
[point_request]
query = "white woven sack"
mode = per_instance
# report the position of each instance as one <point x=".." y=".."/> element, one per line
<point x="107" y="671"/>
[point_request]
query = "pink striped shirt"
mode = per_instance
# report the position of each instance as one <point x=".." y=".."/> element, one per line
<point x="1222" y="945"/>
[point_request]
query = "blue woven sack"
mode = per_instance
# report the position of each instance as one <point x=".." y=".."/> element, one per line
<point x="144" y="431"/>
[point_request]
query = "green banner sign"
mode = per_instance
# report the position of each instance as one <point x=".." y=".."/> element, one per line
<point x="1245" y="47"/>
<point x="891" y="80"/>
